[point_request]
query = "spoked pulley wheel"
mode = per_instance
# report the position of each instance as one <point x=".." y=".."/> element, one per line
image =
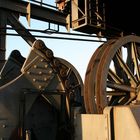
<point x="73" y="85"/>
<point x="113" y="74"/>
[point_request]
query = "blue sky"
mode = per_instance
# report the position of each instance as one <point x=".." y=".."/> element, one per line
<point x="78" y="53"/>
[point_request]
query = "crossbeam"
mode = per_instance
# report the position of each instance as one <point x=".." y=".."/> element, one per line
<point x="36" y="11"/>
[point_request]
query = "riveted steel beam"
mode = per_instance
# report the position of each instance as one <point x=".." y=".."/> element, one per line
<point x="36" y="11"/>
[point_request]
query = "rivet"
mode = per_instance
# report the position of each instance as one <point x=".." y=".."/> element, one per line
<point x="40" y="87"/>
<point x="3" y="126"/>
<point x="40" y="73"/>
<point x="41" y="60"/>
<point x="46" y="66"/>
<point x="50" y="71"/>
<point x="28" y="72"/>
<point x="34" y="80"/>
<point x="35" y="66"/>
<point x="45" y="79"/>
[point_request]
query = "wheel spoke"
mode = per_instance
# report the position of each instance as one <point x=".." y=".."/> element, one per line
<point x="119" y="71"/>
<point x="114" y="100"/>
<point x="120" y="87"/>
<point x="123" y="100"/>
<point x="126" y="69"/>
<point x="69" y="72"/>
<point x="68" y="106"/>
<point x="135" y="58"/>
<point x="138" y="50"/>
<point x="114" y="77"/>
<point x="130" y="100"/>
<point x="129" y="60"/>
<point x="76" y="86"/>
<point x="116" y="93"/>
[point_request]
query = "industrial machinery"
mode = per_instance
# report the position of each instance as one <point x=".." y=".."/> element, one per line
<point x="111" y="92"/>
<point x="113" y="75"/>
<point x="43" y="97"/>
<point x="38" y="95"/>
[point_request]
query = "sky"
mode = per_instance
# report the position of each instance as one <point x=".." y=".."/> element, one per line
<point x="78" y="53"/>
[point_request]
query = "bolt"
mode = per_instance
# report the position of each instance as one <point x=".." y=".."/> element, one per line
<point x="49" y="53"/>
<point x="63" y="73"/>
<point x="39" y="44"/>
<point x="56" y="62"/>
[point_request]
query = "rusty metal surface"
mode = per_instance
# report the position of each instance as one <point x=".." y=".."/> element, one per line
<point x="113" y="80"/>
<point x="89" y="92"/>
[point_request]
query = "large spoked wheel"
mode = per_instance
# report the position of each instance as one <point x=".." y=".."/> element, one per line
<point x="74" y="85"/>
<point x="113" y="75"/>
<point x="71" y="101"/>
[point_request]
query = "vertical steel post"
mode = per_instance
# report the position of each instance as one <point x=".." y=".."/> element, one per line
<point x="3" y="23"/>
